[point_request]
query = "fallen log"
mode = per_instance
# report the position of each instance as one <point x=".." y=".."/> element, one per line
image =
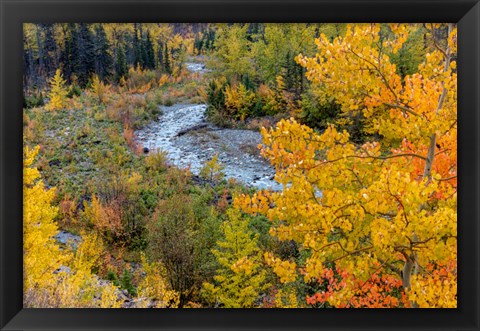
<point x="192" y="128"/>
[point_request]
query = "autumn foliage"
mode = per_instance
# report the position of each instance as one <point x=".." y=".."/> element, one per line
<point x="358" y="121"/>
<point x="55" y="277"/>
<point x="387" y="205"/>
<point x="58" y="92"/>
<point x="240" y="278"/>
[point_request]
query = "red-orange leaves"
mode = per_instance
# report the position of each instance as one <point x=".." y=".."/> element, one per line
<point x="343" y="290"/>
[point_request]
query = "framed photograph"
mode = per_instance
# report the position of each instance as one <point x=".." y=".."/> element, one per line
<point x="172" y="165"/>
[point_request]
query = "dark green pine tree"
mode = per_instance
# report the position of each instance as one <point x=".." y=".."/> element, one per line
<point x="209" y="45"/>
<point x="121" y="68"/>
<point x="103" y="58"/>
<point x="49" y="53"/>
<point x="137" y="46"/>
<point x="160" y="56"/>
<point x="253" y="30"/>
<point x="143" y="54"/>
<point x="129" y="44"/>
<point x="167" y="64"/>
<point x="293" y="75"/>
<point x="86" y="55"/>
<point x="70" y="52"/>
<point x="198" y="43"/>
<point x="149" y="53"/>
<point x="28" y="66"/>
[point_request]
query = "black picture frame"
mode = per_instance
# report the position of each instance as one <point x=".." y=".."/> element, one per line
<point x="15" y="12"/>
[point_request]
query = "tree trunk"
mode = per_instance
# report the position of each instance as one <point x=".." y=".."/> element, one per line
<point x="412" y="264"/>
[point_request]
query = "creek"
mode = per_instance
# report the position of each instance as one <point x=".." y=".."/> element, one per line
<point x="189" y="141"/>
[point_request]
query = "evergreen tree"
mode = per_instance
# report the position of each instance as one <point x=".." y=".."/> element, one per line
<point x="40" y="67"/>
<point x="253" y="30"/>
<point x="171" y="236"/>
<point x="85" y="66"/>
<point x="69" y="56"/>
<point x="293" y="75"/>
<point x="103" y="58"/>
<point x="149" y="52"/>
<point x="210" y="39"/>
<point x="160" y="56"/>
<point x="49" y="49"/>
<point x="121" y="68"/>
<point x="28" y="65"/>
<point x="167" y="64"/>
<point x="143" y="54"/>
<point x="137" y="47"/>
<point x="198" y="43"/>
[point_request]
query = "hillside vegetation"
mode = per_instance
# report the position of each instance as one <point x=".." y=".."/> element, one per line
<point x="358" y="121"/>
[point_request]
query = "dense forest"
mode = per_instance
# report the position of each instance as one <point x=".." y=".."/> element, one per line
<point x="358" y="127"/>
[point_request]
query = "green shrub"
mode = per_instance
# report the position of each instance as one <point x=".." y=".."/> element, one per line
<point x="316" y="114"/>
<point x="74" y="90"/>
<point x="126" y="283"/>
<point x="111" y="276"/>
<point x="168" y="102"/>
<point x="32" y="101"/>
<point x="216" y="99"/>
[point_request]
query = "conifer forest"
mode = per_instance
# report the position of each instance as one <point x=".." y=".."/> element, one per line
<point x="252" y="165"/>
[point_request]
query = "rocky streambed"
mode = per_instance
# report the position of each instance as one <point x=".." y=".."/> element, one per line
<point x="183" y="132"/>
<point x="190" y="141"/>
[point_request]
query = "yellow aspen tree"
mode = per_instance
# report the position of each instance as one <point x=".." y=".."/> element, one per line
<point x="154" y="286"/>
<point x="240" y="279"/>
<point x="58" y="92"/>
<point x="80" y="288"/>
<point x="55" y="277"/>
<point x="385" y="207"/>
<point x="41" y="253"/>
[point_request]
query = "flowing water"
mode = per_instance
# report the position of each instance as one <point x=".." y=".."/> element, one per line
<point x="237" y="149"/>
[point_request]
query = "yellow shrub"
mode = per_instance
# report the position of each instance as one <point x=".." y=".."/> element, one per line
<point x="125" y="108"/>
<point x="239" y="101"/>
<point x="272" y="100"/>
<point x="58" y="93"/>
<point x="100" y="89"/>
<point x="163" y="80"/>
<point x="106" y="219"/>
<point x="140" y="81"/>
<point x="154" y="286"/>
<point x="156" y="160"/>
<point x="88" y="253"/>
<point x="212" y="170"/>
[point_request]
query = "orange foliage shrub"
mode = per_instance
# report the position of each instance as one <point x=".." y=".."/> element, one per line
<point x="346" y="291"/>
<point x="164" y="79"/>
<point x="105" y="219"/>
<point x="261" y="122"/>
<point x="177" y="179"/>
<point x="141" y="81"/>
<point x="67" y="210"/>
<point x="100" y="90"/>
<point x="445" y="161"/>
<point x="129" y="136"/>
<point x="271" y="99"/>
<point x="126" y="108"/>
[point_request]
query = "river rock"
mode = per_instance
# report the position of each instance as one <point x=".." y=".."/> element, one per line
<point x="236" y="149"/>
